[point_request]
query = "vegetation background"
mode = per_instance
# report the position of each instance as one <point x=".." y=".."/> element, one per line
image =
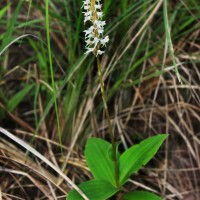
<point x="144" y="95"/>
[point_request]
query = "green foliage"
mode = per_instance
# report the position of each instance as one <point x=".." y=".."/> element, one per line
<point x="168" y="38"/>
<point x="41" y="57"/>
<point x="51" y="70"/>
<point x="94" y="190"/>
<point x="99" y="159"/>
<point x="10" y="28"/>
<point x="141" y="195"/>
<point x="138" y="155"/>
<point x="18" y="98"/>
<point x="3" y="10"/>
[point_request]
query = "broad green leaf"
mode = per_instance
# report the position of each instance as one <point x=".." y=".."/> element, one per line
<point x="94" y="190"/>
<point x="99" y="160"/>
<point x="133" y="158"/>
<point x="17" y="98"/>
<point x="141" y="195"/>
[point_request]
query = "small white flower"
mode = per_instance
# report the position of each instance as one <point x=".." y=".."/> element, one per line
<point x="100" y="14"/>
<point x="86" y="7"/>
<point x="88" y="18"/>
<point x="88" y="32"/>
<point x="104" y="41"/>
<point x="90" y="36"/>
<point x="89" y="50"/>
<point x="96" y="41"/>
<point x="99" y="24"/>
<point x="86" y="2"/>
<point x="88" y="13"/>
<point x="98" y="6"/>
<point x="100" y="31"/>
<point x="88" y="42"/>
<point x="99" y="52"/>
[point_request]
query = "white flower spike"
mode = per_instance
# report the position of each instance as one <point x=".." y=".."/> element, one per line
<point x="94" y="34"/>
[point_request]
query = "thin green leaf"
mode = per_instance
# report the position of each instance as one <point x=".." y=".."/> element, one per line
<point x="168" y="38"/>
<point x="17" y="98"/>
<point x="94" y="190"/>
<point x="133" y="158"/>
<point x="141" y="195"/>
<point x="99" y="160"/>
<point x="3" y="10"/>
<point x="51" y="71"/>
<point x="11" y="24"/>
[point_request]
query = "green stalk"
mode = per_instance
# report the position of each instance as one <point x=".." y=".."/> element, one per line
<point x="52" y="73"/>
<point x="109" y="122"/>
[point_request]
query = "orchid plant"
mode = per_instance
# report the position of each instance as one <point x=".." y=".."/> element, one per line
<point x="111" y="170"/>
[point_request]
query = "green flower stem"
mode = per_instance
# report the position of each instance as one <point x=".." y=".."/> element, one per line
<point x="109" y="122"/>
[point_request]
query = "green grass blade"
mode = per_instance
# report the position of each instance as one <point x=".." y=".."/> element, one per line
<point x="3" y="10"/>
<point x="168" y="38"/>
<point x="18" y="98"/>
<point x="10" y="28"/>
<point x="71" y="72"/>
<point x="51" y="70"/>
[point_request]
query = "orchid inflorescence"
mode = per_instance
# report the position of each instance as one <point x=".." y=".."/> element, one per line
<point x="94" y="34"/>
